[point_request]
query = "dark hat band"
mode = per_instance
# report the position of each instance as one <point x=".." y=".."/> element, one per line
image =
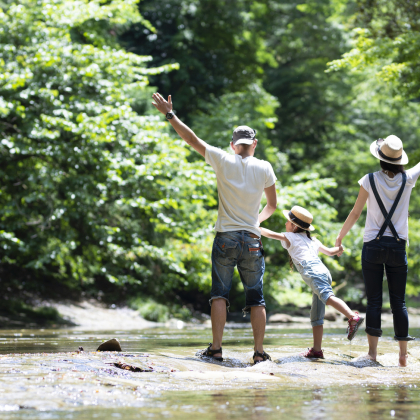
<point x="301" y="223"/>
<point x="382" y="155"/>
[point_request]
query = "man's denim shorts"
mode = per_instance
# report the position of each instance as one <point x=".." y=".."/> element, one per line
<point x="239" y="249"/>
<point x="318" y="278"/>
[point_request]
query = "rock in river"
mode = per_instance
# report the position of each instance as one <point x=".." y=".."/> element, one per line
<point x="110" y="345"/>
<point x="283" y="318"/>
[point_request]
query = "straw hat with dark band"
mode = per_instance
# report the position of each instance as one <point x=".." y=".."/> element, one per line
<point x="300" y="217"/>
<point x="389" y="150"/>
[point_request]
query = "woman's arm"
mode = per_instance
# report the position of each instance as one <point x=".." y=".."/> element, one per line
<point x="353" y="215"/>
<point x="330" y="252"/>
<point x="274" y="235"/>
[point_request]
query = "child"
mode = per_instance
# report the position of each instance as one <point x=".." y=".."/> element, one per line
<point x="303" y="252"/>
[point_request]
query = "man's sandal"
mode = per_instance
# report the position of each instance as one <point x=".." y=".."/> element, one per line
<point x="208" y="352"/>
<point x="352" y="328"/>
<point x="263" y="355"/>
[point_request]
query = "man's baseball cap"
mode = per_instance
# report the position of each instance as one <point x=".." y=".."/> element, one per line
<point x="243" y="135"/>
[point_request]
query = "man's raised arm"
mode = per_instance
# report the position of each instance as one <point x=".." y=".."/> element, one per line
<point x="165" y="107"/>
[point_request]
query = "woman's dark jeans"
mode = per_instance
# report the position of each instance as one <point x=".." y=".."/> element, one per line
<point x="376" y="255"/>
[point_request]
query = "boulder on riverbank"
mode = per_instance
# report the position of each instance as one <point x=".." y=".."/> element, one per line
<point x="280" y="319"/>
<point x="110" y="345"/>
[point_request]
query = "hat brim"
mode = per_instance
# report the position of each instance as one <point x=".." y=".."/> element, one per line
<point x="374" y="150"/>
<point x="243" y="141"/>
<point x="286" y="215"/>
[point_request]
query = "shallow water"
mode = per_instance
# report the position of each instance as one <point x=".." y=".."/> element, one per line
<point x="42" y="376"/>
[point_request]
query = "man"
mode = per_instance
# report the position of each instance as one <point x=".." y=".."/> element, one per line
<point x="241" y="180"/>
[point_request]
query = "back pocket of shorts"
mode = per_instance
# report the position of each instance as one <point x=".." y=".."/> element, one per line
<point x="226" y="244"/>
<point x="254" y="249"/>
<point x="375" y="255"/>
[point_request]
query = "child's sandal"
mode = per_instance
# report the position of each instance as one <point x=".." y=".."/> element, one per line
<point x="263" y="355"/>
<point x="208" y="352"/>
<point x="313" y="354"/>
<point x="352" y="328"/>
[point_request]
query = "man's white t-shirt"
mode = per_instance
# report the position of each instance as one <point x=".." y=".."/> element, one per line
<point x="301" y="247"/>
<point x="388" y="189"/>
<point x="240" y="183"/>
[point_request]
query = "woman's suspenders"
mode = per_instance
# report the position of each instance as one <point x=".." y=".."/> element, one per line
<point x="387" y="215"/>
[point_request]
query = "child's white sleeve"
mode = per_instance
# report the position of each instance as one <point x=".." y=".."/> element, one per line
<point x="318" y="243"/>
<point x="289" y="237"/>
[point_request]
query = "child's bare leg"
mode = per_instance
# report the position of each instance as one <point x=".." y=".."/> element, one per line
<point x="373" y="346"/>
<point x="317" y="332"/>
<point x="341" y="307"/>
<point x="403" y="354"/>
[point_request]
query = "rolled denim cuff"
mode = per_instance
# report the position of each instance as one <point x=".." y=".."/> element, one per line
<point x="374" y="332"/>
<point x="221" y="297"/>
<point x="408" y="338"/>
<point x="317" y="323"/>
<point x="248" y="309"/>
<point x="325" y="296"/>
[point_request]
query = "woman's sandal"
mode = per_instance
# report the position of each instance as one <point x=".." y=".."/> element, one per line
<point x="352" y="328"/>
<point x="208" y="352"/>
<point x="263" y="355"/>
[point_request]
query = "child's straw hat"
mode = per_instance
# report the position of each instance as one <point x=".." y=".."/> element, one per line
<point x="389" y="150"/>
<point x="300" y="217"/>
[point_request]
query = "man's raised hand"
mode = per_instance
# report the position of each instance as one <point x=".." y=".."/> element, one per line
<point x="161" y="104"/>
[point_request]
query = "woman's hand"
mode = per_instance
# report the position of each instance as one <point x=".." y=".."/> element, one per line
<point x="340" y="250"/>
<point x="338" y="241"/>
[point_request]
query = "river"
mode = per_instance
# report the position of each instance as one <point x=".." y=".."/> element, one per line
<point x="43" y="376"/>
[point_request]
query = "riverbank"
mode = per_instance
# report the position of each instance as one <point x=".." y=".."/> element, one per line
<point x="96" y="316"/>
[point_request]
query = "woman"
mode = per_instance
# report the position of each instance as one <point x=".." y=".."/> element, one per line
<point x="387" y="193"/>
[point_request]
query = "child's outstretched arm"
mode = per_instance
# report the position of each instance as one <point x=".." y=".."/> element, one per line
<point x="274" y="235"/>
<point x="330" y="252"/>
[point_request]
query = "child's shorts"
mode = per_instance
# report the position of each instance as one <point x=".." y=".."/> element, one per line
<point x="318" y="278"/>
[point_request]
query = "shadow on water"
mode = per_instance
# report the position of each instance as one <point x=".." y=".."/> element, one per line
<point x="42" y="377"/>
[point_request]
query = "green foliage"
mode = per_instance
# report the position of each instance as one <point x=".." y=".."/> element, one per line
<point x="387" y="39"/>
<point x="97" y="190"/>
<point x="90" y="189"/>
<point x="153" y="311"/>
<point x="218" y="44"/>
<point x="19" y="311"/>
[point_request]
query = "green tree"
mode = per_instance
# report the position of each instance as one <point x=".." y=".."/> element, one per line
<point x="90" y="190"/>
<point x="217" y="43"/>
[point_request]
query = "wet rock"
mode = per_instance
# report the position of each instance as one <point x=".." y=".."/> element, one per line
<point x="131" y="368"/>
<point x="280" y="318"/>
<point x="110" y="345"/>
<point x="413" y="311"/>
<point x="81" y="348"/>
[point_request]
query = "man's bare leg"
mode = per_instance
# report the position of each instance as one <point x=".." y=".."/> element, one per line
<point x="218" y="321"/>
<point x="258" y="321"/>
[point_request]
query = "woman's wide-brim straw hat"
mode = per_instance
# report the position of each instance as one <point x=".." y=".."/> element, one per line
<point x="389" y="150"/>
<point x="300" y="217"/>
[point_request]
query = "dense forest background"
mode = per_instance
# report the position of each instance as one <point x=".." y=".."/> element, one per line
<point x="100" y="198"/>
